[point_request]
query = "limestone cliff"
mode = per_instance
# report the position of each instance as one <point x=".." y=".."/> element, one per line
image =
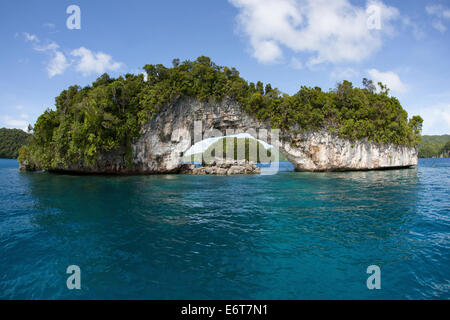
<point x="170" y="133"/>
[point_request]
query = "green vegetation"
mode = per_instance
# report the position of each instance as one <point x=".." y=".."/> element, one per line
<point x="108" y="115"/>
<point x="10" y="142"/>
<point x="434" y="146"/>
<point x="446" y="150"/>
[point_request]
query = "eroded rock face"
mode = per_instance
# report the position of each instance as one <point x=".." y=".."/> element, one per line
<point x="321" y="151"/>
<point x="167" y="136"/>
<point x="170" y="133"/>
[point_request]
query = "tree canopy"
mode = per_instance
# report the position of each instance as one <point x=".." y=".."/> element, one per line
<point x="434" y="146"/>
<point x="10" y="142"/>
<point x="108" y="115"/>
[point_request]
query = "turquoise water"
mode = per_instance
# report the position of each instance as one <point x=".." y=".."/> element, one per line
<point x="287" y="236"/>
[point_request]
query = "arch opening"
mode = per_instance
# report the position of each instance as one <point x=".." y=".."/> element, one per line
<point x="237" y="147"/>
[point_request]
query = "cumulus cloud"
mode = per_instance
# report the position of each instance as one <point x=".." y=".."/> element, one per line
<point x="389" y="78"/>
<point x="57" y="65"/>
<point x="328" y="31"/>
<point x="91" y="62"/>
<point x="58" y="62"/>
<point x="84" y="60"/>
<point x="439" y="14"/>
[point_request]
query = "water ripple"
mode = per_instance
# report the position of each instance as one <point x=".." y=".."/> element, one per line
<point x="286" y="236"/>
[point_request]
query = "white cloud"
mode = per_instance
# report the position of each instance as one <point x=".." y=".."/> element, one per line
<point x="14" y="123"/>
<point x="24" y="116"/>
<point x="85" y="60"/>
<point x="57" y="65"/>
<point x="389" y="78"/>
<point x="439" y="13"/>
<point x="91" y="62"/>
<point x="437" y="119"/>
<point x="19" y="107"/>
<point x="58" y="62"/>
<point x="267" y="51"/>
<point x="328" y="31"/>
<point x="30" y="37"/>
<point x="51" y="46"/>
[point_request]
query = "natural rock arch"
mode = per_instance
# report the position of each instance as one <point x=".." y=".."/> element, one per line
<point x="170" y="133"/>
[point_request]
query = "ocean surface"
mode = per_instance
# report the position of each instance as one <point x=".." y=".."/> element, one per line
<point x="285" y="236"/>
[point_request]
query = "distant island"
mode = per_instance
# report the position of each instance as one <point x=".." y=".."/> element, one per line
<point x="437" y="146"/>
<point x="104" y="127"/>
<point x="11" y="140"/>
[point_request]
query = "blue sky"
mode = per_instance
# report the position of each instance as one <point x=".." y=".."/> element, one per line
<point x="288" y="43"/>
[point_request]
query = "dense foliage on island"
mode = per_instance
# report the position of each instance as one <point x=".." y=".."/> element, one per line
<point x="10" y="142"/>
<point x="108" y="115"/>
<point x="435" y="146"/>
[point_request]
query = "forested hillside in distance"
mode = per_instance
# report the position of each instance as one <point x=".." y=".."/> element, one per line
<point x="434" y="146"/>
<point x="10" y="142"/>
